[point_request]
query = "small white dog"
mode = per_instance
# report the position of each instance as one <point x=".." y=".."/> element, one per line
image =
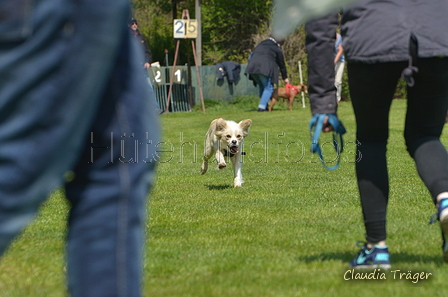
<point x="225" y="138"/>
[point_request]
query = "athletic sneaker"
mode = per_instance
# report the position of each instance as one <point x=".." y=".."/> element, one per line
<point x="376" y="257"/>
<point x="443" y="218"/>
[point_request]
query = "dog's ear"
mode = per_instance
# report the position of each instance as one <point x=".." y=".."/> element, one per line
<point x="220" y="126"/>
<point x="245" y="125"/>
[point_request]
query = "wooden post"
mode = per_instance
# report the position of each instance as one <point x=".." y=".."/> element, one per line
<point x="172" y="77"/>
<point x="199" y="76"/>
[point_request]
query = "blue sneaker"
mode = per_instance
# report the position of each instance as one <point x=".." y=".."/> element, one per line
<point x="376" y="257"/>
<point x="443" y="218"/>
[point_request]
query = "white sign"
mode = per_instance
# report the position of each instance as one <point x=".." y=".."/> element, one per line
<point x="185" y="28"/>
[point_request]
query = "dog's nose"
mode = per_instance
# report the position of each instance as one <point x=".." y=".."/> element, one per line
<point x="234" y="141"/>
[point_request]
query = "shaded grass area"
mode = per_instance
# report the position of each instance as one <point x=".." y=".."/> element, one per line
<point x="290" y="231"/>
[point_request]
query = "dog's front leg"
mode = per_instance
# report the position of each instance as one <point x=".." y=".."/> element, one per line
<point x="238" y="177"/>
<point x="220" y="159"/>
<point x="291" y="99"/>
<point x="208" y="153"/>
<point x="204" y="166"/>
<point x="273" y="101"/>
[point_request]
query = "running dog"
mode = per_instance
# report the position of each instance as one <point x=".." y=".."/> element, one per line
<point x="289" y="92"/>
<point x="225" y="138"/>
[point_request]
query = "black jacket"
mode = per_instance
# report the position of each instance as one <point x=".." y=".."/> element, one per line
<point x="230" y="69"/>
<point x="266" y="59"/>
<point x="374" y="31"/>
<point x="379" y="31"/>
<point x="142" y="40"/>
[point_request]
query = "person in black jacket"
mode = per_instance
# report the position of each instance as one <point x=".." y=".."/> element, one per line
<point x="413" y="44"/>
<point x="263" y="68"/>
<point x="133" y="24"/>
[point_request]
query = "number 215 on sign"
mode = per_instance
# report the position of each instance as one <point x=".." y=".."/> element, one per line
<point x="184" y="28"/>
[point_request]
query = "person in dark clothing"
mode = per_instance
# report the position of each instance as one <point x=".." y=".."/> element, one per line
<point x="133" y="25"/>
<point x="416" y="50"/>
<point x="263" y="68"/>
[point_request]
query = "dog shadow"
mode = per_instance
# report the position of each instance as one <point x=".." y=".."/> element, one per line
<point x="218" y="187"/>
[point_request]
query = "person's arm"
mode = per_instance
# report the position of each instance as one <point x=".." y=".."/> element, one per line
<point x="320" y="47"/>
<point x="148" y="54"/>
<point x="282" y="65"/>
<point x="339" y="54"/>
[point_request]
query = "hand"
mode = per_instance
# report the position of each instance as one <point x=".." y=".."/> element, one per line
<point x="147" y="65"/>
<point x="327" y="127"/>
<point x="286" y="81"/>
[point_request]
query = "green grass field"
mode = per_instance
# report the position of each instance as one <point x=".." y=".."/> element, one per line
<point x="290" y="231"/>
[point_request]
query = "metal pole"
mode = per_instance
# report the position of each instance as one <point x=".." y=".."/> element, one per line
<point x="166" y="58"/>
<point x="301" y="82"/>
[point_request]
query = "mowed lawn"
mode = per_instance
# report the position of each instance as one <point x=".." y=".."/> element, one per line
<point x="290" y="231"/>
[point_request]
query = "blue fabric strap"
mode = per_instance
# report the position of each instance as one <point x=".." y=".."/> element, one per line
<point x="316" y="125"/>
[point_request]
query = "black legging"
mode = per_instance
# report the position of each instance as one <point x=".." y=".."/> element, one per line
<point x="372" y="87"/>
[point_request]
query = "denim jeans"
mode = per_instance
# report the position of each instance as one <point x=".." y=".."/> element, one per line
<point x="72" y="98"/>
<point x="339" y="72"/>
<point x="266" y="89"/>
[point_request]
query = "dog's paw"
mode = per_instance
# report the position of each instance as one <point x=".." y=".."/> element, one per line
<point x="237" y="183"/>
<point x="204" y="168"/>
<point x="222" y="165"/>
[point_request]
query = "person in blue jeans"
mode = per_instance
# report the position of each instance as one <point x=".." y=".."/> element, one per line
<point x="75" y="100"/>
<point x="265" y="64"/>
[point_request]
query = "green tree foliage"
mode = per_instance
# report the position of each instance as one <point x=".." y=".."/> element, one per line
<point x="156" y="23"/>
<point x="230" y="31"/>
<point x="229" y="26"/>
